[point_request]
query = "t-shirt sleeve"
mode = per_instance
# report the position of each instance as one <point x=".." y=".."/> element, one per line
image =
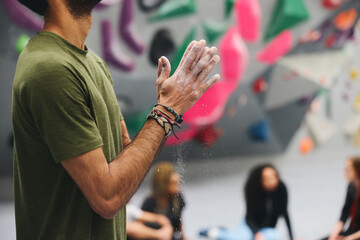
<point x="107" y="73"/>
<point x="60" y="106"/>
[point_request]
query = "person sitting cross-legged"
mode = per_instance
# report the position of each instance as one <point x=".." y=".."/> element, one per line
<point x="136" y="228"/>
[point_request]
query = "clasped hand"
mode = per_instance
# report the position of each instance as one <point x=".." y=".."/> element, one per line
<point x="182" y="90"/>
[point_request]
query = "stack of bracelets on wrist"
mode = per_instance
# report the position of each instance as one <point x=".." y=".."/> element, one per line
<point x="164" y="121"/>
<point x="178" y="118"/>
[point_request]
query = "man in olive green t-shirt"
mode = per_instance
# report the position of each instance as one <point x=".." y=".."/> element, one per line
<point x="72" y="177"/>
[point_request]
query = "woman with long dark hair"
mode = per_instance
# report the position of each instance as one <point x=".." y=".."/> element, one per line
<point x="166" y="197"/>
<point x="351" y="208"/>
<point x="266" y="201"/>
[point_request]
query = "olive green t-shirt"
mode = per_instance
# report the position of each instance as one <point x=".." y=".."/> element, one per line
<point x="63" y="105"/>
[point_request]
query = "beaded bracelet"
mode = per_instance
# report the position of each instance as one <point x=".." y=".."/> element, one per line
<point x="178" y="118"/>
<point x="164" y="121"/>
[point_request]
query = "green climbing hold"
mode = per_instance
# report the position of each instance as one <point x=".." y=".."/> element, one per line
<point x="181" y="50"/>
<point x="286" y="14"/>
<point x="174" y="8"/>
<point x="229" y="6"/>
<point x="21" y="42"/>
<point x="213" y="30"/>
<point x="322" y="92"/>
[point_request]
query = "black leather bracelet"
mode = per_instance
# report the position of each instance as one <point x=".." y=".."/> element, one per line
<point x="178" y="118"/>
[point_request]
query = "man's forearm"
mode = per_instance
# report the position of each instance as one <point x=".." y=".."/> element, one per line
<point x="109" y="186"/>
<point x="128" y="170"/>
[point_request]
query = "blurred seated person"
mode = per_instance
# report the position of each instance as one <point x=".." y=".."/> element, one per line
<point x="351" y="209"/>
<point x="166" y="197"/>
<point x="266" y="201"/>
<point x="136" y="228"/>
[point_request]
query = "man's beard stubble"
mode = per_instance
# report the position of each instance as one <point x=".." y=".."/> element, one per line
<point x="81" y="9"/>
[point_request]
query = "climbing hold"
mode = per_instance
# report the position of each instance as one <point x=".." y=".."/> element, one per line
<point x="112" y="52"/>
<point x="174" y="8"/>
<point x="106" y="3"/>
<point x="213" y="30"/>
<point x="229" y="6"/>
<point x="306" y="145"/>
<point x="259" y="131"/>
<point x="145" y="7"/>
<point x="208" y="135"/>
<point x="356" y="104"/>
<point x="127" y="28"/>
<point x="21" y="42"/>
<point x="259" y="86"/>
<point x="310" y="36"/>
<point x="234" y="56"/>
<point x="248" y="16"/>
<point x="286" y="14"/>
<point x="332" y="4"/>
<point x="277" y="48"/>
<point x="330" y="40"/>
<point x="354" y="74"/>
<point x="161" y="45"/>
<point x="345" y="96"/>
<point x="181" y="50"/>
<point x="22" y="16"/>
<point x="346" y="19"/>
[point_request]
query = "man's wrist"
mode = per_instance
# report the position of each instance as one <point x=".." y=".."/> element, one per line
<point x="178" y="117"/>
<point x="165" y="111"/>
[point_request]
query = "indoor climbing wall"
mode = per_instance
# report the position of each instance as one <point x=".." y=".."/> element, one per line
<point x="284" y="63"/>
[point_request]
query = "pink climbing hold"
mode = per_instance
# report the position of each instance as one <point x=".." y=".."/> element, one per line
<point x="234" y="56"/>
<point x="210" y="107"/>
<point x="248" y="17"/>
<point x="277" y="48"/>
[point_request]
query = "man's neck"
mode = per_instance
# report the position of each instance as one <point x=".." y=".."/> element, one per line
<point x="66" y="26"/>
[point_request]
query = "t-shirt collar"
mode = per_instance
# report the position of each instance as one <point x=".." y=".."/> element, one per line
<point x="72" y="46"/>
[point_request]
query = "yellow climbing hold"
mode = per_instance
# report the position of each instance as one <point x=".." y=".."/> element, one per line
<point x="354" y="74"/>
<point x="356" y="104"/>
